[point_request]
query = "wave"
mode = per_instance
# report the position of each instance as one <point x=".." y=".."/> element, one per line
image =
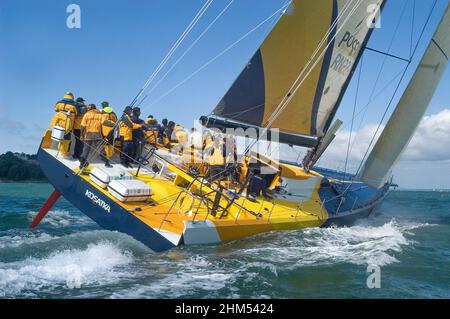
<point x="62" y="218"/>
<point x="23" y="238"/>
<point x="359" y="245"/>
<point x="181" y="278"/>
<point x="257" y="262"/>
<point x="98" y="264"/>
<point x="101" y="258"/>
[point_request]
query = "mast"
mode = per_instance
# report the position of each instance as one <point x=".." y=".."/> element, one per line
<point x="410" y="109"/>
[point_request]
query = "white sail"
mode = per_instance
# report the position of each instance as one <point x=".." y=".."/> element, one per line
<point x="410" y="109"/>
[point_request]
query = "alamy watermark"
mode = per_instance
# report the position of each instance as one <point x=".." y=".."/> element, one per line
<point x="198" y="145"/>
<point x="374" y="19"/>
<point x="73" y="21"/>
<point x="374" y="278"/>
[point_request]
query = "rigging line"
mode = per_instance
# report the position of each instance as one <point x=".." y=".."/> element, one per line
<point x="365" y="108"/>
<point x="398" y="86"/>
<point x="385" y="58"/>
<point x="287" y="4"/>
<point x="216" y="57"/>
<point x="174" y="48"/>
<point x="412" y="26"/>
<point x="290" y="95"/>
<point x="320" y="44"/>
<point x="370" y="102"/>
<point x="375" y="97"/>
<point x="191" y="46"/>
<point x="387" y="54"/>
<point x="178" y="43"/>
<point x="353" y="115"/>
<point x="282" y="9"/>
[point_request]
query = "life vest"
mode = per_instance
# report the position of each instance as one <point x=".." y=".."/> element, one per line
<point x="67" y="105"/>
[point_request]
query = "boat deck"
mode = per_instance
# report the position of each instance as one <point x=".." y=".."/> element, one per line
<point x="173" y="210"/>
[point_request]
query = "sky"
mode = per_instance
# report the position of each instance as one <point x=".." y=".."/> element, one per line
<point x="120" y="43"/>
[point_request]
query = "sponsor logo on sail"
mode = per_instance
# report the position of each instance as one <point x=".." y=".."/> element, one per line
<point x="98" y="201"/>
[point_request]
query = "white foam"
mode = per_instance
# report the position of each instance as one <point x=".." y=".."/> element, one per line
<point x="182" y="278"/>
<point x="62" y="218"/>
<point x="27" y="238"/>
<point x="245" y="261"/>
<point x="356" y="245"/>
<point x="98" y="264"/>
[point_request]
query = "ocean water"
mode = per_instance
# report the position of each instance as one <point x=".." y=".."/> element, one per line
<point x="69" y="256"/>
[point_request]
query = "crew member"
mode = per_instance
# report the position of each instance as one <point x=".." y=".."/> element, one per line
<point x="109" y="120"/>
<point x="195" y="139"/>
<point x="126" y="135"/>
<point x="81" y="110"/>
<point x="153" y="130"/>
<point x="162" y="128"/>
<point x="138" y="133"/>
<point x="256" y="186"/>
<point x="196" y="144"/>
<point x="113" y="115"/>
<point x="91" y="133"/>
<point x="68" y="106"/>
<point x="181" y="136"/>
<point x="168" y="135"/>
<point x="216" y="159"/>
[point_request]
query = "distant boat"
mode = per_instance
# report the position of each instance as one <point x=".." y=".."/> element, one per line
<point x="294" y="82"/>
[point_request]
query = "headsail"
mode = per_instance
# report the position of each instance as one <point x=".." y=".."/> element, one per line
<point x="410" y="109"/>
<point x="268" y="77"/>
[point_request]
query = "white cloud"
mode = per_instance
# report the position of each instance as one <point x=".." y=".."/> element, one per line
<point x="431" y="142"/>
<point x="18" y="136"/>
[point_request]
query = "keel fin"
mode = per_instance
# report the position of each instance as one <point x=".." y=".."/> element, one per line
<point x="44" y="210"/>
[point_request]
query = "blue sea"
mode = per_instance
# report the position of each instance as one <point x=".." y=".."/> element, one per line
<point x="68" y="256"/>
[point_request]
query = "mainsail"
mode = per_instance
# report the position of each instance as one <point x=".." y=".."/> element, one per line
<point x="294" y="47"/>
<point x="410" y="109"/>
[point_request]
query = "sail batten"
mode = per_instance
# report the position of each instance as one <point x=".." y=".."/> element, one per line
<point x="412" y="106"/>
<point x="323" y="40"/>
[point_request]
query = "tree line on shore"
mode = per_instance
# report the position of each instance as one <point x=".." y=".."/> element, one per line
<point x="20" y="167"/>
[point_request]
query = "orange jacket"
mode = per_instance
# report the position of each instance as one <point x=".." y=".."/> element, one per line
<point x="126" y="128"/>
<point x="91" y="125"/>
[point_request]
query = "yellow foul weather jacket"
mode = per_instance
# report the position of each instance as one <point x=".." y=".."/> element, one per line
<point x="91" y="125"/>
<point x="126" y="128"/>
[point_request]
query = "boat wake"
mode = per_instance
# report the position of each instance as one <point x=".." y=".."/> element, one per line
<point x="62" y="218"/>
<point x="99" y="263"/>
<point x="17" y="238"/>
<point x="360" y="244"/>
<point x="260" y="261"/>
